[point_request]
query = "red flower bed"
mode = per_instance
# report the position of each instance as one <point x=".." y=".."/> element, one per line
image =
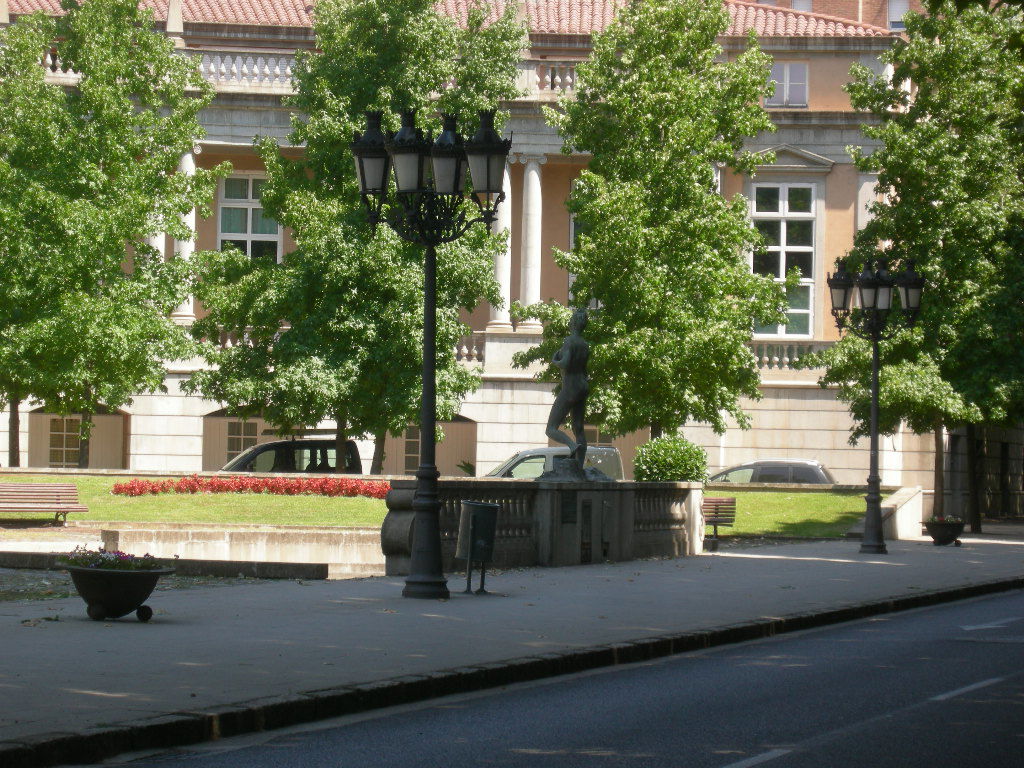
<point x="282" y="486"/>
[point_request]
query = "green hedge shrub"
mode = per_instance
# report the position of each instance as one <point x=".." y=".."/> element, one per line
<point x="671" y="459"/>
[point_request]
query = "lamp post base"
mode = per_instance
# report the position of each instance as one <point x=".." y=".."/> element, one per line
<point x="426" y="588"/>
<point x="873" y="549"/>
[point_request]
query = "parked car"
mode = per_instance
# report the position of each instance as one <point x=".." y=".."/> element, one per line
<point x="532" y="462"/>
<point x="296" y="456"/>
<point x="776" y="471"/>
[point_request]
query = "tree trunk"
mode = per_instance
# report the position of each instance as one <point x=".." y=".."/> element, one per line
<point x="14" y="432"/>
<point x="340" y="445"/>
<point x="656" y="430"/>
<point x="377" y="465"/>
<point x="84" y="440"/>
<point x="973" y="481"/>
<point x="939" y="499"/>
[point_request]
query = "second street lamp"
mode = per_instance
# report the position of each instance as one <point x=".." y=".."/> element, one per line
<point x="870" y="320"/>
<point x="429" y="210"/>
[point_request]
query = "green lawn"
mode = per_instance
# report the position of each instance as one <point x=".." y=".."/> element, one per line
<point x="250" y="508"/>
<point x="810" y="514"/>
<point x="758" y="513"/>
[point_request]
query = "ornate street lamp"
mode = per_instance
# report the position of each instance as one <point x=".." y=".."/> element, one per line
<point x="428" y="209"/>
<point x="870" y="320"/>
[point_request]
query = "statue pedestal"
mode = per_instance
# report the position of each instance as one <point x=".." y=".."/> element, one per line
<point x="557" y="523"/>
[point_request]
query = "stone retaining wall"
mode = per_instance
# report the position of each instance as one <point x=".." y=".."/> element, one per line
<point x="351" y="551"/>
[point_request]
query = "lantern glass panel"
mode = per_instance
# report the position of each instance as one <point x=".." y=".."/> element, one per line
<point x="359" y="175"/>
<point x="449" y="174"/>
<point x="840" y="297"/>
<point x="883" y="298"/>
<point x="487" y="172"/>
<point x="911" y="298"/>
<point x="408" y="171"/>
<point x="375" y="169"/>
<point x="867" y="293"/>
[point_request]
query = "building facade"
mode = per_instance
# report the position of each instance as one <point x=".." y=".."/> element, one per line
<point x="808" y="204"/>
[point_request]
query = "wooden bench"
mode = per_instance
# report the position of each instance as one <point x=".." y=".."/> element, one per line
<point x="58" y="498"/>
<point x="717" y="510"/>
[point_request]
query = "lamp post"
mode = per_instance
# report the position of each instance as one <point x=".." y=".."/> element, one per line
<point x="869" y="320"/>
<point x="428" y="209"/>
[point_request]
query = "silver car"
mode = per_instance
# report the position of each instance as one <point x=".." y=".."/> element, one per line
<point x="533" y="462"/>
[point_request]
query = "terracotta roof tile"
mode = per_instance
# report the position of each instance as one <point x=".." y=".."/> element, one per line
<point x="282" y="13"/>
<point x="769" y="21"/>
<point x="561" y="17"/>
<point x="581" y="17"/>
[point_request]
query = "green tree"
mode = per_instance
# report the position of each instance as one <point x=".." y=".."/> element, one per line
<point x="660" y="108"/>
<point x="334" y="331"/>
<point x="949" y="167"/>
<point x="87" y="174"/>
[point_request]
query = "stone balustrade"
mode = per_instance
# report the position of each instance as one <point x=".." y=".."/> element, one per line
<point x="546" y="79"/>
<point x="556" y="524"/>
<point x="244" y="71"/>
<point x="470" y="349"/>
<point x="784" y="355"/>
<point x="271" y="72"/>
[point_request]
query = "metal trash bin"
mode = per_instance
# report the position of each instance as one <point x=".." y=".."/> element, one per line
<point x="478" y="524"/>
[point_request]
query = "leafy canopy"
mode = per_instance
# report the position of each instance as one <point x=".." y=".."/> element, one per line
<point x="86" y="171"/>
<point x="334" y="330"/>
<point x="949" y="165"/>
<point x="660" y="109"/>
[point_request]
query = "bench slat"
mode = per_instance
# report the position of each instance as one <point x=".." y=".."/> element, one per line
<point x="59" y="498"/>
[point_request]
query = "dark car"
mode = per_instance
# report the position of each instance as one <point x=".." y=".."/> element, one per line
<point x="776" y="471"/>
<point x="296" y="456"/>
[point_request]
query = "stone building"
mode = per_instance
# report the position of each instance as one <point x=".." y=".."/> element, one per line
<point x="809" y="203"/>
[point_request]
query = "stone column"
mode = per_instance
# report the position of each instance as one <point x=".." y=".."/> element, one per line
<point x="184" y="249"/>
<point x="529" y="277"/>
<point x="499" y="317"/>
<point x="158" y="241"/>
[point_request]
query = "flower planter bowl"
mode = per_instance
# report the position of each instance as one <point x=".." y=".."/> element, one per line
<point x="944" y="532"/>
<point x="111" y="593"/>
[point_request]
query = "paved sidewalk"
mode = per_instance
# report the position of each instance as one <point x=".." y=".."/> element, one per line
<point x="219" y="661"/>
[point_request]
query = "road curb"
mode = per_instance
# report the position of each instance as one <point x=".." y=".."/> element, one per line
<point x="191" y="727"/>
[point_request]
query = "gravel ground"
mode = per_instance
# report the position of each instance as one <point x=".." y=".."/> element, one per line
<point x="21" y="584"/>
<point x="25" y="584"/>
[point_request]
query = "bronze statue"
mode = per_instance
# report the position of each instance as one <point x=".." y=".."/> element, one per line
<point x="572" y="398"/>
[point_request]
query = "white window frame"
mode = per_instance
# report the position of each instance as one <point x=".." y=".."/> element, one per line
<point x="411" y="449"/>
<point x="781" y="96"/>
<point x="69" y="438"/>
<point x="250" y="203"/>
<point x="784" y="215"/>
<point x="248" y="436"/>
<point x="897" y="10"/>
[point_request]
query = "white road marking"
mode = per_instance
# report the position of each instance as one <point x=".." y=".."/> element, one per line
<point x="764" y="757"/>
<point x="967" y="689"/>
<point x="992" y="624"/>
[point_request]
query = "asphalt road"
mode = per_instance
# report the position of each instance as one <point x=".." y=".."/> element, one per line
<point x="942" y="686"/>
